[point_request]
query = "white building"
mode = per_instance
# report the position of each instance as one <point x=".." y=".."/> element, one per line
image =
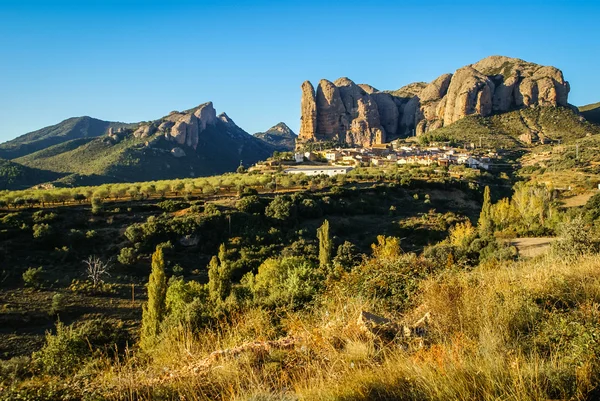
<point x="318" y="170"/>
<point x="299" y="157"/>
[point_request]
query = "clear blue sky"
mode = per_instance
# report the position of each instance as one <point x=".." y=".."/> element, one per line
<point x="138" y="60"/>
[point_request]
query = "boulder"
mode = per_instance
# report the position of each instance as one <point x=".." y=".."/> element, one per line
<point x="178" y="152"/>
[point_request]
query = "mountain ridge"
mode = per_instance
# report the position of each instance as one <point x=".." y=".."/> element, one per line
<point x="280" y="136"/>
<point x="194" y="142"/>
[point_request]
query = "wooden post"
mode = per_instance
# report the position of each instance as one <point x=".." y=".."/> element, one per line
<point x="132" y="294"/>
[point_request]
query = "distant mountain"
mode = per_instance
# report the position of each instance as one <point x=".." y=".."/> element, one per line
<point x="591" y="112"/>
<point x="191" y="143"/>
<point x="72" y="128"/>
<point x="17" y="176"/>
<point x="280" y="136"/>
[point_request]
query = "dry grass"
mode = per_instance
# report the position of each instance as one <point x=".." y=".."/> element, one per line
<point x="499" y="332"/>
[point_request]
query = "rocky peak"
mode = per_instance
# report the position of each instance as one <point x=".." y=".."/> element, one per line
<point x="361" y="114"/>
<point x="281" y="129"/>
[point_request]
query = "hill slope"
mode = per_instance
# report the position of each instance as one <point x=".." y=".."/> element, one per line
<point x="591" y="112"/>
<point x="177" y="146"/>
<point x="17" y="176"/>
<point x="72" y="128"/>
<point x="530" y="126"/>
<point x="280" y="136"/>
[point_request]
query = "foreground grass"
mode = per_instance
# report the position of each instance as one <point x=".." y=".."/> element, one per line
<point x="517" y="331"/>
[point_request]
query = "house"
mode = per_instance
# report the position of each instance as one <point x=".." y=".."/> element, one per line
<point x="319" y="170"/>
<point x="332" y="156"/>
<point x="299" y="157"/>
<point x="380" y="149"/>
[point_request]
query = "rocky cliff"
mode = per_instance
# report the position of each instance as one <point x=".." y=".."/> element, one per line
<point x="361" y="115"/>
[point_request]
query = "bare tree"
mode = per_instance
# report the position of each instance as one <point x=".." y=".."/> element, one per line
<point x="96" y="269"/>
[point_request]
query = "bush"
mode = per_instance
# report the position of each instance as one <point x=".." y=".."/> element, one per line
<point x="127" y="256"/>
<point x="250" y="204"/>
<point x="57" y="304"/>
<point x="290" y="281"/>
<point x="87" y="287"/>
<point x="97" y="205"/>
<point x="575" y="239"/>
<point x="42" y="216"/>
<point x="66" y="350"/>
<point x="172" y="206"/>
<point x="281" y="208"/>
<point x="42" y="231"/>
<point x="32" y="277"/>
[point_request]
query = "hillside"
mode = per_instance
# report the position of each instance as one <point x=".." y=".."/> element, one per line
<point x="203" y="146"/>
<point x="17" y="176"/>
<point x="525" y="127"/>
<point x="280" y="136"/>
<point x="591" y="112"/>
<point x="72" y="128"/>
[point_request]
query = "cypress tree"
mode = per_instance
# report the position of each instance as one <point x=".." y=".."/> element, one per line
<point x="219" y="276"/>
<point x="485" y="222"/>
<point x="154" y="310"/>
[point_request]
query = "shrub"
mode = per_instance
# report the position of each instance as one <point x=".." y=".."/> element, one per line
<point x="281" y="208"/>
<point x="127" y="256"/>
<point x="65" y="351"/>
<point x="575" y="238"/>
<point x="41" y="231"/>
<point x="87" y="287"/>
<point x="57" y="304"/>
<point x="42" y="216"/>
<point x="211" y="210"/>
<point x="250" y="204"/>
<point x="290" y="281"/>
<point x="32" y="277"/>
<point x="172" y="206"/>
<point x="186" y="303"/>
<point x="97" y="205"/>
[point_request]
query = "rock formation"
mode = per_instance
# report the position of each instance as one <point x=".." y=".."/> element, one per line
<point x="360" y="114"/>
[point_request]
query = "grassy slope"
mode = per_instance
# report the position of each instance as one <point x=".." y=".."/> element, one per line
<point x="591" y="112"/>
<point x="16" y="176"/>
<point x="503" y="130"/>
<point x="72" y="128"/>
<point x="519" y="331"/>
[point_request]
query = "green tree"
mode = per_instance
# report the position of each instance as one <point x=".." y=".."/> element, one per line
<point x="281" y="208"/>
<point x="325" y="245"/>
<point x="219" y="276"/>
<point x="154" y="310"/>
<point x="485" y="223"/>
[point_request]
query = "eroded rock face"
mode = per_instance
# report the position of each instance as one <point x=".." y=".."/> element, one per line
<point x="331" y="113"/>
<point x="308" y="112"/>
<point x="346" y="112"/>
<point x="343" y="110"/>
<point x="470" y="92"/>
<point x="184" y="128"/>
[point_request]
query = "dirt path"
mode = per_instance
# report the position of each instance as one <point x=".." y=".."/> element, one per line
<point x="530" y="247"/>
<point x="578" y="200"/>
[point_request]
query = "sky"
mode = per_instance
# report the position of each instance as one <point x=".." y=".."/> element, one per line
<point x="134" y="60"/>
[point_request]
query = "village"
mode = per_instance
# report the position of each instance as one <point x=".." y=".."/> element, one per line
<point x="342" y="160"/>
